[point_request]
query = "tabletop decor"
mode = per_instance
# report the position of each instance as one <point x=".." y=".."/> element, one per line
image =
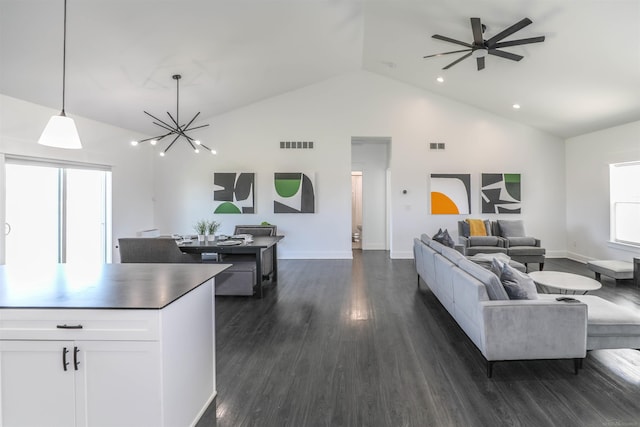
<point x="212" y="227"/>
<point x="201" y="229"/>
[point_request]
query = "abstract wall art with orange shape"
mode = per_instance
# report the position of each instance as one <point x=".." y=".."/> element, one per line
<point x="450" y="194"/>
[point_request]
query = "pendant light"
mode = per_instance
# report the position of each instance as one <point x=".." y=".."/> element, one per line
<point x="173" y="127"/>
<point x="61" y="130"/>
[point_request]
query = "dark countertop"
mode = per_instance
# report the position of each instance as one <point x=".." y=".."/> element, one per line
<point x="104" y="286"/>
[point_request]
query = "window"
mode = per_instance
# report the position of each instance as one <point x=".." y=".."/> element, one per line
<point x="625" y="202"/>
<point x="57" y="212"/>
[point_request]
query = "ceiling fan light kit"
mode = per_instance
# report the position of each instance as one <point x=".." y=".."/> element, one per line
<point x="174" y="128"/>
<point x="61" y="131"/>
<point x="480" y="47"/>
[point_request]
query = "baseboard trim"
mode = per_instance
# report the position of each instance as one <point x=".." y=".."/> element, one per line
<point x="315" y="255"/>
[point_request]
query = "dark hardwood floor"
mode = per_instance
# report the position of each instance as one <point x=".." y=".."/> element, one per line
<point x="355" y="343"/>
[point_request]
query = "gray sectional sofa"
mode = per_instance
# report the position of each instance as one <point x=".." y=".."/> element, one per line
<point x="504" y="329"/>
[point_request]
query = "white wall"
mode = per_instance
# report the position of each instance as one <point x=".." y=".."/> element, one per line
<point x="588" y="158"/>
<point x="356" y="104"/>
<point x="20" y="126"/>
<point x="372" y="159"/>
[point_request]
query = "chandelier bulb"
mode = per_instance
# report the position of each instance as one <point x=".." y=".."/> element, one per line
<point x="214" y="152"/>
<point x="197" y="141"/>
<point x="162" y="154"/>
<point x="134" y="143"/>
<point x="153" y="142"/>
<point x="196" y="150"/>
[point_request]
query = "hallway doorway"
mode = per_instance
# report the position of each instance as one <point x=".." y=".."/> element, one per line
<point x="370" y="177"/>
<point x="356" y="210"/>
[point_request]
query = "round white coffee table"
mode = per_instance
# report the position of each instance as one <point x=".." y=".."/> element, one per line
<point x="565" y="282"/>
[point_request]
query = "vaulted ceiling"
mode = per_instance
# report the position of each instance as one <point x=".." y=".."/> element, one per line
<point x="121" y="55"/>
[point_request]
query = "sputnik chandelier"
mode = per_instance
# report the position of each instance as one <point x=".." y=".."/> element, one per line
<point x="174" y="128"/>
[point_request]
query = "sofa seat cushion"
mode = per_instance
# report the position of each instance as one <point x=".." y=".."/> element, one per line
<point x="522" y="241"/>
<point x="525" y="250"/>
<point x="474" y="250"/>
<point x="484" y="241"/>
<point x="605" y="318"/>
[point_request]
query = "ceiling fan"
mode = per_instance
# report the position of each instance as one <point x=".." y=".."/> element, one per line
<point x="481" y="47"/>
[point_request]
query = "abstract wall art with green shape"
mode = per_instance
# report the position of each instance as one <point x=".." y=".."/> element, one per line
<point x="233" y="193"/>
<point x="294" y="192"/>
<point x="501" y="193"/>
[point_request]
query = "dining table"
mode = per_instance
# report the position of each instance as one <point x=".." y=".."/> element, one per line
<point x="256" y="246"/>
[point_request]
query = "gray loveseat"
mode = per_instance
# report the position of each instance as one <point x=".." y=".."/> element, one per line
<point x="504" y="329"/>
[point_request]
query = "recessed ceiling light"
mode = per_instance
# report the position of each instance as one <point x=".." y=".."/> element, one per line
<point x="440" y="79"/>
<point x="516" y="106"/>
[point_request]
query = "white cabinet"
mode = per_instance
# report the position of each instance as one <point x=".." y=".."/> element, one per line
<point x="95" y="389"/>
<point x="35" y="390"/>
<point x="123" y="367"/>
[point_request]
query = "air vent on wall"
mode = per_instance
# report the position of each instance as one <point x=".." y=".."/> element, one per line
<point x="296" y="144"/>
<point x="436" y="146"/>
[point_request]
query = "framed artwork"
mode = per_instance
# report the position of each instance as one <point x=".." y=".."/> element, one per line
<point x="500" y="193"/>
<point x="450" y="194"/>
<point x="233" y="193"/>
<point x="294" y="192"/>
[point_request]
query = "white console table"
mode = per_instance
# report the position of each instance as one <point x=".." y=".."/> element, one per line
<point x="109" y="345"/>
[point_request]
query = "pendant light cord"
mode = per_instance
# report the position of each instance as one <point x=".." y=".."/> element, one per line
<point x="177" y="100"/>
<point x="64" y="55"/>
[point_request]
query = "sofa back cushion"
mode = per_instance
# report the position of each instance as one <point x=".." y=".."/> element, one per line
<point x="494" y="287"/>
<point x="452" y="255"/>
<point x="511" y="228"/>
<point x="436" y="246"/>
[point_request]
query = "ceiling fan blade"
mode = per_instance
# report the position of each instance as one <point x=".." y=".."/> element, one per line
<point x="506" y="55"/>
<point x="480" y="62"/>
<point x="518" y="42"/>
<point x="447" y="53"/>
<point x="450" y="40"/>
<point x="476" y="28"/>
<point x="457" y="60"/>
<point x="507" y="32"/>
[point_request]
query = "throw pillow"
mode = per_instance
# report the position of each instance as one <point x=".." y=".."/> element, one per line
<point x="476" y="227"/>
<point x="518" y="285"/>
<point x="496" y="267"/>
<point x="511" y="228"/>
<point x="443" y="236"/>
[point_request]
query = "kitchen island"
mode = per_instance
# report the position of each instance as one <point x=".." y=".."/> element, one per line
<point x="107" y="345"/>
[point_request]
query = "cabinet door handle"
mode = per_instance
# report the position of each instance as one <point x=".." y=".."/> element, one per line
<point x="76" y="362"/>
<point x="64" y="358"/>
<point x="65" y="326"/>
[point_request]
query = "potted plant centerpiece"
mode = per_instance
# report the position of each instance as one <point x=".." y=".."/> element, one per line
<point x="201" y="229"/>
<point x="212" y="227"/>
